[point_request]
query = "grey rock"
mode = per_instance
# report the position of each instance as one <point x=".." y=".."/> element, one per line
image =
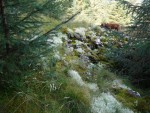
<point x="133" y="93"/>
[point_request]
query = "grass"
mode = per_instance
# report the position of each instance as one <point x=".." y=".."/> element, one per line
<point x="140" y="105"/>
<point x="104" y="79"/>
<point x="76" y="24"/>
<point x="47" y="96"/>
<point x="47" y="91"/>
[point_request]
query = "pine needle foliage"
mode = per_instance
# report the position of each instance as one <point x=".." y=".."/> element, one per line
<point x="21" y="22"/>
<point x="134" y="58"/>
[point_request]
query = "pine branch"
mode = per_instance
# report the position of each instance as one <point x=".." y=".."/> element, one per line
<point x="30" y="14"/>
<point x="132" y="9"/>
<point x="57" y="26"/>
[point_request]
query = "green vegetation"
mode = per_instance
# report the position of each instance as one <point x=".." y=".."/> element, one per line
<point x="104" y="79"/>
<point x="137" y="104"/>
<point x="46" y="90"/>
<point x="62" y="71"/>
<point x="22" y="37"/>
<point x="29" y="81"/>
<point x="133" y="59"/>
<point x="99" y="11"/>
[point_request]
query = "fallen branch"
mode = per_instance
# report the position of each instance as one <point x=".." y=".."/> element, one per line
<point x="57" y="26"/>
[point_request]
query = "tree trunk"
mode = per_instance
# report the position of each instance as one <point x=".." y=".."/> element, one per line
<point x="4" y="26"/>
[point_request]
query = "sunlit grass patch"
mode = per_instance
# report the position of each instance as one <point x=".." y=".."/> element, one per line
<point x="77" y="99"/>
<point x="77" y="24"/>
<point x="105" y="79"/>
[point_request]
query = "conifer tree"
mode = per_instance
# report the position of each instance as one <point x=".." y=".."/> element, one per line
<point x="20" y="22"/>
<point x="134" y="58"/>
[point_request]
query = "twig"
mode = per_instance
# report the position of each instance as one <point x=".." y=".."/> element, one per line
<point x="57" y="26"/>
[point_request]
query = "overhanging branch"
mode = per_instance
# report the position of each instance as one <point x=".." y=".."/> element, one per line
<point x="58" y="26"/>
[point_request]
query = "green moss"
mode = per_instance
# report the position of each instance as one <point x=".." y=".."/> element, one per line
<point x="137" y="104"/>
<point x="143" y="105"/>
<point x="125" y="98"/>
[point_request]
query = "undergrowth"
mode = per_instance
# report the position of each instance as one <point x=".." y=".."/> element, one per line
<point x="47" y="89"/>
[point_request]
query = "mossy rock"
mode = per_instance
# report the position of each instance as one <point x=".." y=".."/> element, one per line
<point x="137" y="104"/>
